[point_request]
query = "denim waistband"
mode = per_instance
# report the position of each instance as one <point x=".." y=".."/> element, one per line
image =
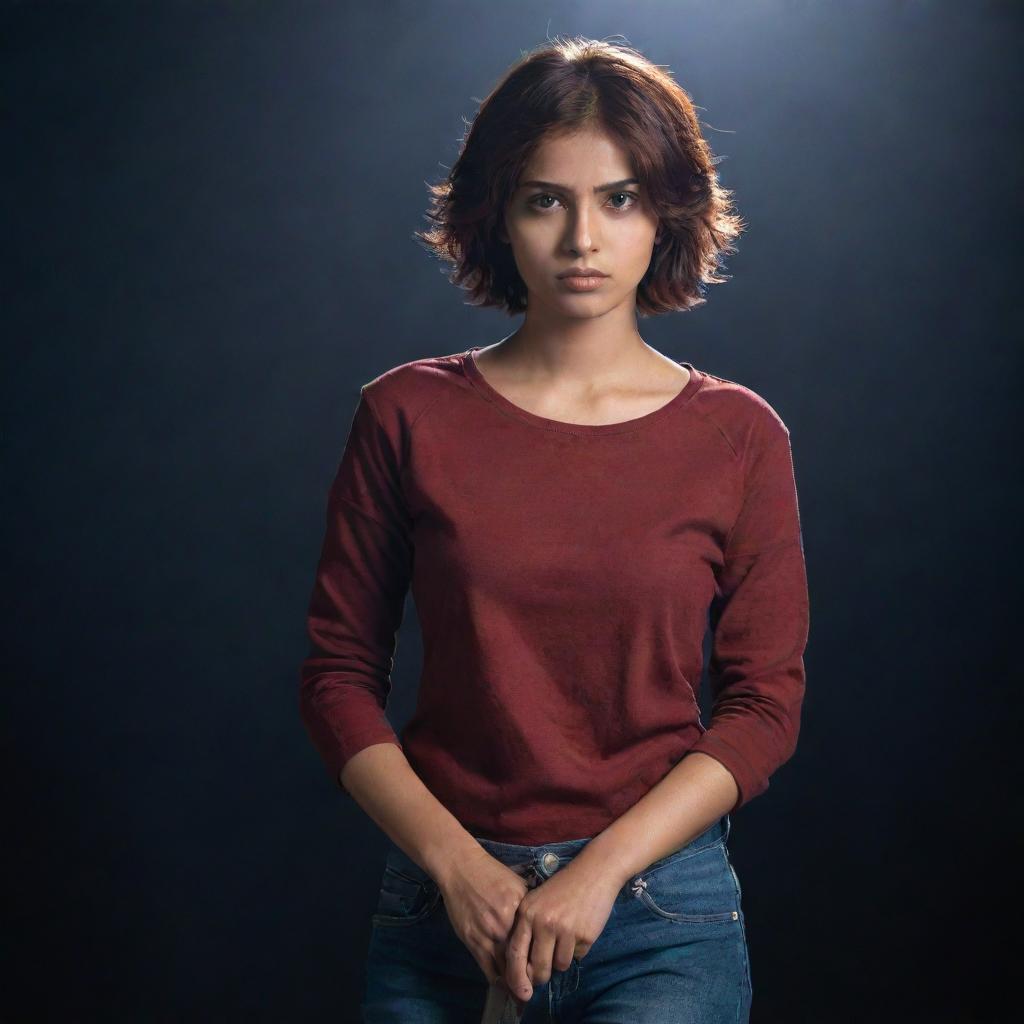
<point x="718" y="830"/>
<point x="545" y="858"/>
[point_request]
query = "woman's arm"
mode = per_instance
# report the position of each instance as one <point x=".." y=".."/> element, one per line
<point x="759" y="619"/>
<point x="355" y="611"/>
<point x="383" y="783"/>
<point x="688" y="801"/>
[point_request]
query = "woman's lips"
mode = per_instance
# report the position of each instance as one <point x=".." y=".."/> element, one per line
<point x="582" y="284"/>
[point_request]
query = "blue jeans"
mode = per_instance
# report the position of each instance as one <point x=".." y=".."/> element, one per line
<point x="673" y="949"/>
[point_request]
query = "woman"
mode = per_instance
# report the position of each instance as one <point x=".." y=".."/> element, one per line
<point x="567" y="505"/>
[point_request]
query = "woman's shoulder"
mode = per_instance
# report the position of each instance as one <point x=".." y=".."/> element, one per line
<point x="414" y="384"/>
<point x="739" y="410"/>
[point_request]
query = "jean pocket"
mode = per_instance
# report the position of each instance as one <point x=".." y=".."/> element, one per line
<point x="405" y="899"/>
<point x="691" y="888"/>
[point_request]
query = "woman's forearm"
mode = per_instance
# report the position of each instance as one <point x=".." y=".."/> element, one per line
<point x="686" y="802"/>
<point x="381" y="780"/>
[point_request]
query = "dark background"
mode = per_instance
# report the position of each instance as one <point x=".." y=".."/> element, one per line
<point x="208" y="215"/>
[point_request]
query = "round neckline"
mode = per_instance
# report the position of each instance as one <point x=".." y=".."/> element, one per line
<point x="475" y="376"/>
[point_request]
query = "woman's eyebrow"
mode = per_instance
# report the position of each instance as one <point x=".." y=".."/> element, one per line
<point x="564" y="188"/>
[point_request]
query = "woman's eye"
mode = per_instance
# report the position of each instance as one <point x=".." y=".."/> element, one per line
<point x="536" y="201"/>
<point x="630" y="195"/>
<point x="539" y="200"/>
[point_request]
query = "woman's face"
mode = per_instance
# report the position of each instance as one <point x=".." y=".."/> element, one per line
<point x="578" y="204"/>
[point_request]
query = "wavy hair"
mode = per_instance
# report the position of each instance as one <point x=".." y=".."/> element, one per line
<point x="560" y="87"/>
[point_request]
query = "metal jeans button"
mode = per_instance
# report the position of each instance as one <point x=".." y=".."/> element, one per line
<point x="550" y="861"/>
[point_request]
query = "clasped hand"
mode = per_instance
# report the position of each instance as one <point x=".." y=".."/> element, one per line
<point x="559" y="920"/>
<point x="521" y="935"/>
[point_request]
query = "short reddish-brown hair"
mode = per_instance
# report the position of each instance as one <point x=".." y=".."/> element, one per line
<point x="560" y="87"/>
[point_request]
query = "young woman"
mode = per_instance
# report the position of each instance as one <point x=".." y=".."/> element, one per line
<point x="568" y="506"/>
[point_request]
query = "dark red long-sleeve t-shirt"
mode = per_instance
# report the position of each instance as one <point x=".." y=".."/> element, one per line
<point x="563" y="575"/>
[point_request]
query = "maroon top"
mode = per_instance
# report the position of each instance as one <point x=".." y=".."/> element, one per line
<point x="563" y="575"/>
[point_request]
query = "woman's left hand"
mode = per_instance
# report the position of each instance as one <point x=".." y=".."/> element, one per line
<point x="558" y="920"/>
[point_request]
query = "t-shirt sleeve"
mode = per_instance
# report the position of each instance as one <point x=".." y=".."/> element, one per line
<point x="760" y="620"/>
<point x="358" y="597"/>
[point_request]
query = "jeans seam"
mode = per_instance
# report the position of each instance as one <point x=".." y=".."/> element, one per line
<point x="675" y="858"/>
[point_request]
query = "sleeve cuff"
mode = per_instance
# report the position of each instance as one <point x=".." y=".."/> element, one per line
<point x="748" y="783"/>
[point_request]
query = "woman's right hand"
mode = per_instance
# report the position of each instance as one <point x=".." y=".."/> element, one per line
<point x="481" y="896"/>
